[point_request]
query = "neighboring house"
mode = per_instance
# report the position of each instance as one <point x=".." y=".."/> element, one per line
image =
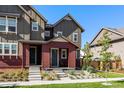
<point x="26" y="39"/>
<point x="117" y="43"/>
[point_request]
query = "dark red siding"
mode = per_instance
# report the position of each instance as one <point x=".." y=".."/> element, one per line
<point x="46" y="62"/>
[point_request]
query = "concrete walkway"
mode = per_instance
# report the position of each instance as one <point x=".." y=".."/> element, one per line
<point x="2" y="84"/>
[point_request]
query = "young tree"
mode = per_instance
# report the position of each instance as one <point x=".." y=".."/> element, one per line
<point x="105" y="55"/>
<point x="87" y="55"/>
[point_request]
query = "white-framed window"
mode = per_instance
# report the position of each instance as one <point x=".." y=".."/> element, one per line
<point x="12" y="25"/>
<point x="63" y="53"/>
<point x="78" y="54"/>
<point x="75" y="37"/>
<point x="1" y="48"/>
<point x="35" y="26"/>
<point x="8" y="24"/>
<point x="59" y="33"/>
<point x="8" y="48"/>
<point x="47" y="33"/>
<point x="13" y="49"/>
<point x="2" y="24"/>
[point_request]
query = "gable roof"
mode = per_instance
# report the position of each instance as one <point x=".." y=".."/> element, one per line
<point x="64" y="40"/>
<point x="113" y="30"/>
<point x="68" y="15"/>
<point x="24" y="10"/>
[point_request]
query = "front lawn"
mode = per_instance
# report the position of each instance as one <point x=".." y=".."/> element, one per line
<point x="115" y="84"/>
<point x="111" y="74"/>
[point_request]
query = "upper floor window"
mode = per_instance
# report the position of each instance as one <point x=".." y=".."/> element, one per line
<point x="8" y="24"/>
<point x="2" y="24"/>
<point x="64" y="54"/>
<point x="47" y="33"/>
<point x="75" y="37"/>
<point x="12" y="25"/>
<point x="34" y="26"/>
<point x="59" y="33"/>
<point x="8" y="48"/>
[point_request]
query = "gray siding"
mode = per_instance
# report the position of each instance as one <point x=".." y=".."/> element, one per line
<point x="68" y="27"/>
<point x="23" y="25"/>
<point x="36" y="35"/>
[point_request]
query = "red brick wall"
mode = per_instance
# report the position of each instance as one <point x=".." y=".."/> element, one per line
<point x="46" y="62"/>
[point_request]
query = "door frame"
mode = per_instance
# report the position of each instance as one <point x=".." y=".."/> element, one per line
<point x="35" y="47"/>
<point x="57" y="56"/>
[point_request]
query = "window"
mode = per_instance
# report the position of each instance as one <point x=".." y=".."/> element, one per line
<point x="1" y="47"/>
<point x="75" y="37"/>
<point x="34" y="26"/>
<point x="2" y="24"/>
<point x="6" y="49"/>
<point x="8" y="24"/>
<point x="59" y="33"/>
<point x="47" y="33"/>
<point x="64" y="54"/>
<point x="13" y="49"/>
<point x="11" y="25"/>
<point x="77" y="54"/>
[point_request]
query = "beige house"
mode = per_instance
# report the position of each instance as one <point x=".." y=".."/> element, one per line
<point x="117" y="43"/>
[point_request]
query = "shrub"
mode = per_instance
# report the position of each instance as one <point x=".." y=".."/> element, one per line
<point x="91" y="69"/>
<point x="12" y="75"/>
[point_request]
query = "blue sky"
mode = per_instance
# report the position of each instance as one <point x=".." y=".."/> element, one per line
<point x="92" y="18"/>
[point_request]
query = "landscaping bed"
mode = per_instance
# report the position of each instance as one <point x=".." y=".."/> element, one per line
<point x="7" y="75"/>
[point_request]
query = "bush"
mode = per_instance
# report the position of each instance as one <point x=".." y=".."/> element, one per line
<point x="84" y="67"/>
<point x="91" y="69"/>
<point x="12" y="75"/>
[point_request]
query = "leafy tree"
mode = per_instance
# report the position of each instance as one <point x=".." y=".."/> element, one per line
<point x="105" y="55"/>
<point x="88" y="55"/>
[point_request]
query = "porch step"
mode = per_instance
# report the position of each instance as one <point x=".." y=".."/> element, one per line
<point x="34" y="73"/>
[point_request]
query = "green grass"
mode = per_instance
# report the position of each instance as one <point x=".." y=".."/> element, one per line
<point x="111" y="74"/>
<point x="115" y="84"/>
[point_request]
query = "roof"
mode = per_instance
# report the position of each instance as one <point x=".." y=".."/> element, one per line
<point x="68" y="15"/>
<point x="38" y="13"/>
<point x="64" y="39"/>
<point x="33" y="10"/>
<point x="45" y="42"/>
<point x="117" y="34"/>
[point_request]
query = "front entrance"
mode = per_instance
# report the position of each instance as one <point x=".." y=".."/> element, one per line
<point x="33" y="55"/>
<point x="54" y="57"/>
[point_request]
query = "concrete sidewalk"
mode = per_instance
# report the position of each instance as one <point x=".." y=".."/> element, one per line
<point x="2" y="84"/>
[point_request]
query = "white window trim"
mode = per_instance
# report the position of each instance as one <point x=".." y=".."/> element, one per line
<point x="6" y="29"/>
<point x="65" y="53"/>
<point x="75" y="33"/>
<point x="10" y="49"/>
<point x="37" y="26"/>
<point x="59" y="32"/>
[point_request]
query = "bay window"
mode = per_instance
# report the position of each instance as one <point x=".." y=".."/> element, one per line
<point x="13" y="49"/>
<point x="8" y="24"/>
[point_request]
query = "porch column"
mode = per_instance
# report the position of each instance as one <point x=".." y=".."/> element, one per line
<point x="45" y="56"/>
<point x="72" y="58"/>
<point x="26" y="54"/>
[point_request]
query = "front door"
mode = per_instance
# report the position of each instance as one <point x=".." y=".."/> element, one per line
<point x="33" y="56"/>
<point x="54" y="57"/>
